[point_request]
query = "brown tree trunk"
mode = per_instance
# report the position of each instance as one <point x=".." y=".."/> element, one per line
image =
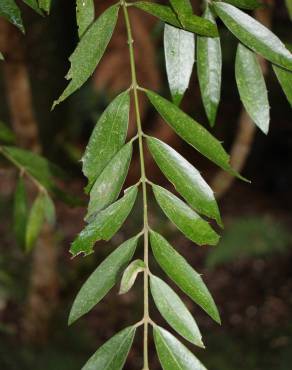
<point x="43" y="290"/>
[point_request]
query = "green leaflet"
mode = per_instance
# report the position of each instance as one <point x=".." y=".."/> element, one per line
<point x="6" y="134"/>
<point x="130" y="275"/>
<point x="186" y="178"/>
<point x="89" y="51"/>
<point x="285" y="79"/>
<point x="113" y="354"/>
<point x="184" y="276"/>
<point x="244" y="4"/>
<point x="252" y="87"/>
<point x="1" y="56"/>
<point x="50" y="211"/>
<point x="10" y="11"/>
<point x="45" y="5"/>
<point x="187" y="220"/>
<point x="34" y="5"/>
<point x="107" y="138"/>
<point x="84" y="14"/>
<point x="179" y="49"/>
<point x="174" y="311"/>
<point x="102" y="279"/>
<point x="173" y="355"/>
<point x="254" y="35"/>
<point x="35" y="222"/>
<point x="209" y="69"/>
<point x="105" y="224"/>
<point x="192" y="23"/>
<point x="183" y="9"/>
<point x="20" y="212"/>
<point x="108" y="185"/>
<point x="289" y="7"/>
<point x="37" y="166"/>
<point x="192" y="132"/>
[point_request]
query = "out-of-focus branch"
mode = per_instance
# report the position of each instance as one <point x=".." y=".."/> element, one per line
<point x="43" y="290"/>
<point x="246" y="128"/>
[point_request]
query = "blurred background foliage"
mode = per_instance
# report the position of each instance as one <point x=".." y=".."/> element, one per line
<point x="249" y="272"/>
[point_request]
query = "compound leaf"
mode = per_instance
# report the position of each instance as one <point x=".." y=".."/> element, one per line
<point x="209" y="68"/>
<point x="186" y="178"/>
<point x="89" y="51"/>
<point x="254" y="35"/>
<point x="252" y="87"/>
<point x="130" y="275"/>
<point x="192" y="132"/>
<point x="102" y="279"/>
<point x="20" y="212"/>
<point x="187" y="220"/>
<point x="174" y="311"/>
<point x="165" y="13"/>
<point x="105" y="224"/>
<point x="173" y="355"/>
<point x="108" y="185"/>
<point x="10" y="11"/>
<point x="107" y="138"/>
<point x="179" y="48"/>
<point x="184" y="276"/>
<point x="84" y="14"/>
<point x="285" y="79"/>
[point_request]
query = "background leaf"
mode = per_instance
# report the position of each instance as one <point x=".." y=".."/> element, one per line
<point x="173" y="355"/>
<point x="113" y="354"/>
<point x="252" y="87"/>
<point x="10" y="11"/>
<point x="130" y="275"/>
<point x="35" y="221"/>
<point x="6" y="134"/>
<point x="187" y="220"/>
<point x="35" y="165"/>
<point x="184" y="276"/>
<point x="179" y="48"/>
<point x="105" y="224"/>
<point x="254" y="35"/>
<point x="108" y="185"/>
<point x="289" y="7"/>
<point x="85" y="13"/>
<point x="174" y="311"/>
<point x="50" y="211"/>
<point x="191" y="131"/>
<point x="102" y="279"/>
<point x="186" y="178"/>
<point x="209" y="68"/>
<point x="107" y="138"/>
<point x="20" y="212"/>
<point x="89" y="51"/>
<point x="285" y="79"/>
